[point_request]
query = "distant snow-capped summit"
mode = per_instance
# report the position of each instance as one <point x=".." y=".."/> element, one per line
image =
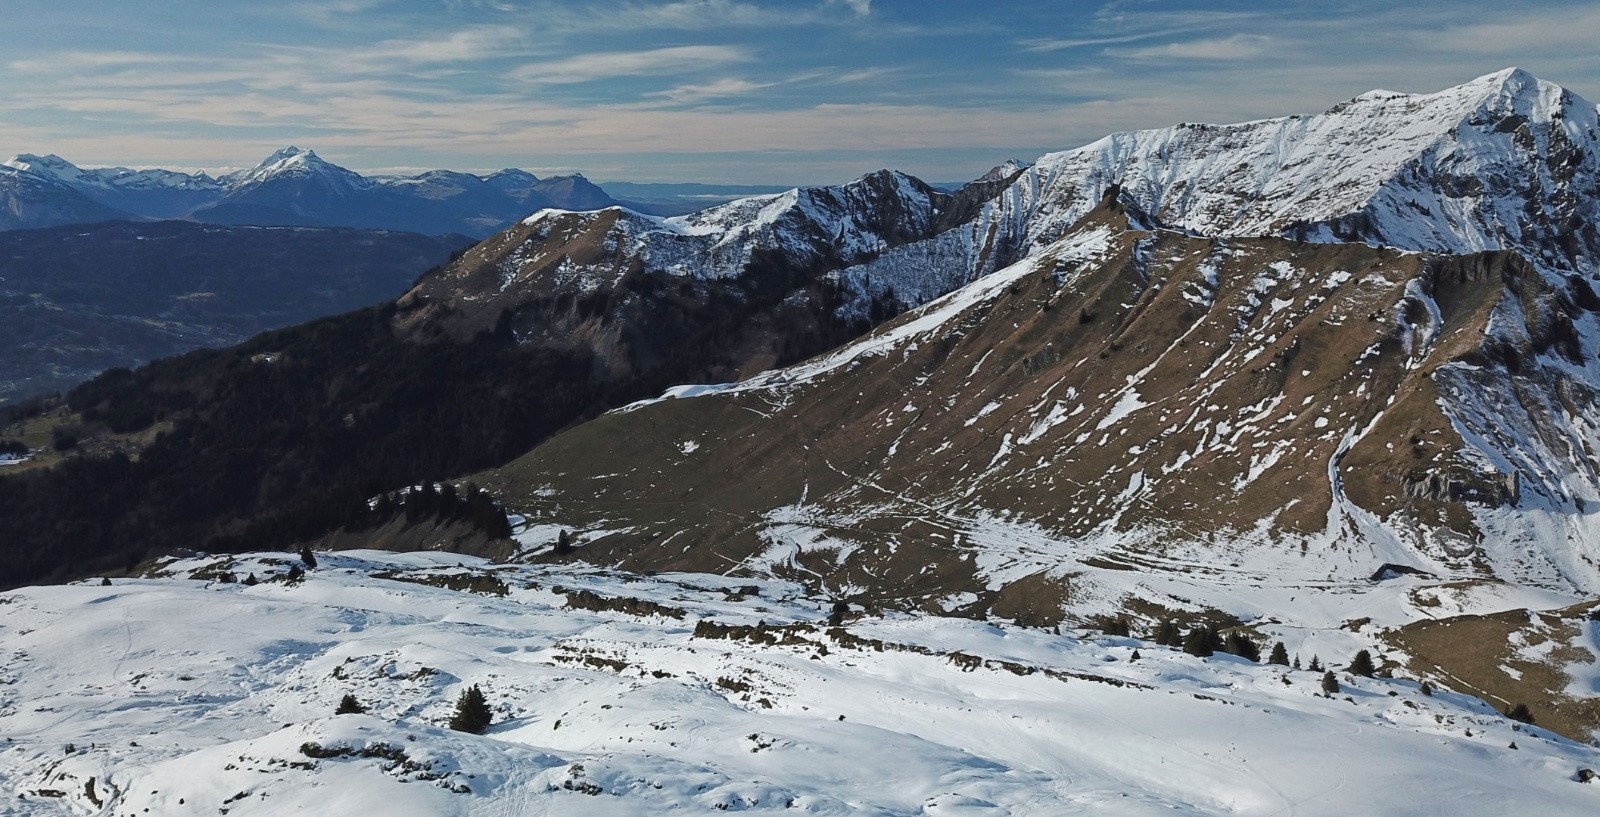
<point x="299" y="163"/>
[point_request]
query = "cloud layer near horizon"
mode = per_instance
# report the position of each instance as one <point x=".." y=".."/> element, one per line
<point x="731" y="91"/>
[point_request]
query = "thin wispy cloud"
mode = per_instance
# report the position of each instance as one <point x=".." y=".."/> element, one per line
<point x="654" y="62"/>
<point x="1236" y="47"/>
<point x="718" y="89"/>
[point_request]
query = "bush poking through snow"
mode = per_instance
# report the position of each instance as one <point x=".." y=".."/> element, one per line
<point x="1330" y="684"/>
<point x="348" y="705"/>
<point x="1521" y="713"/>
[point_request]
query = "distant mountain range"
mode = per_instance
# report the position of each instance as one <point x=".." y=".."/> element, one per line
<point x="291" y="188"/>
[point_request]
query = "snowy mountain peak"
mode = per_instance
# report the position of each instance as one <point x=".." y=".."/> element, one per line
<point x="50" y="167"/>
<point x="1501" y="162"/>
<point x="33" y="161"/>
<point x="294" y="161"/>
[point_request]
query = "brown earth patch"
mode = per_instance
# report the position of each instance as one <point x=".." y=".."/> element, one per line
<point x="1471" y="654"/>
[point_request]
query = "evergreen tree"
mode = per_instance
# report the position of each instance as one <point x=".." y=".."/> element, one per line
<point x="294" y="576"/>
<point x="1243" y="646"/>
<point x="1167" y="634"/>
<point x="1520" y="712"/>
<point x="1316" y="664"/>
<point x="1330" y="684"/>
<point x="1115" y="626"/>
<point x="1134" y="656"/>
<point x="1362" y="664"/>
<point x="105" y="582"/>
<point x="348" y="705"/>
<point x="251" y="580"/>
<point x="472" y="712"/>
<point x="1427" y="689"/>
<point x="308" y="557"/>
<point x="1198" y="642"/>
<point x="1280" y="655"/>
<point x="1297" y="661"/>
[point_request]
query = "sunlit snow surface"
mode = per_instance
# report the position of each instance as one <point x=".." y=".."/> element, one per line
<point x="182" y="696"/>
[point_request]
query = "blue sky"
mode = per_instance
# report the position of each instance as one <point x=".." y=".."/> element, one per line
<point x="733" y="91"/>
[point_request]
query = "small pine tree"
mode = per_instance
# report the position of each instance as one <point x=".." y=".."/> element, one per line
<point x="309" y="558"/>
<point x="1427" y="689"/>
<point x="251" y="580"/>
<point x="348" y="705"/>
<point x="1362" y="664"/>
<point x="564" y="543"/>
<point x="1316" y="664"/>
<point x="1330" y="684"/>
<point x="1280" y="655"/>
<point x="1520" y="712"/>
<point x="105" y="582"/>
<point x="472" y="712"/>
<point x="1198" y="642"/>
<point x="1134" y="656"/>
<point x="294" y="576"/>
<point x="1296" y="661"/>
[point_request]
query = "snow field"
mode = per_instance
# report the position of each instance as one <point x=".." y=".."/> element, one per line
<point x="184" y="696"/>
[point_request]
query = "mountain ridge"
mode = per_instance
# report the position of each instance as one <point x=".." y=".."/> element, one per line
<point x="290" y="187"/>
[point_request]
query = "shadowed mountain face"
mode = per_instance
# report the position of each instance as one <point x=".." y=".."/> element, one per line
<point x="78" y="300"/>
<point x="27" y="201"/>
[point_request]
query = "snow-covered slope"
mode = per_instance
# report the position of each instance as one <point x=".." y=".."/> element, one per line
<point x="620" y="695"/>
<point x="1506" y="161"/>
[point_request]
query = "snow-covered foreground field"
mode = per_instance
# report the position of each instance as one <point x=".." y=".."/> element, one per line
<point x="186" y="696"/>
